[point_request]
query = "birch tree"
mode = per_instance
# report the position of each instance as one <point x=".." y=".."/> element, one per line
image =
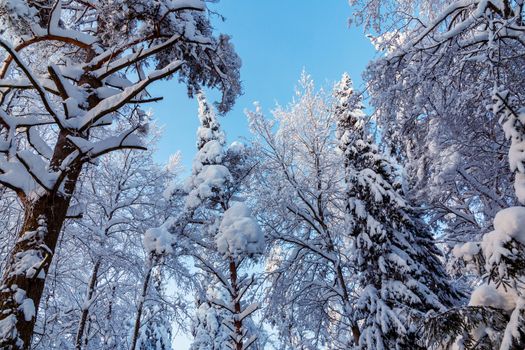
<point x="298" y="186"/>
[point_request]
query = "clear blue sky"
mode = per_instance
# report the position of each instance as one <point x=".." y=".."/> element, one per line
<point x="275" y="39"/>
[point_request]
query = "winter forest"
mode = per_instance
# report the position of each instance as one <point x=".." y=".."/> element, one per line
<point x="384" y="215"/>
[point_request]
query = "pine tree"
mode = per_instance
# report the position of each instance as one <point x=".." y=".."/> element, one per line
<point x="219" y="233"/>
<point x="399" y="274"/>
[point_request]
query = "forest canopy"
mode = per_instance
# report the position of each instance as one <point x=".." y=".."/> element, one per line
<point x="385" y="215"/>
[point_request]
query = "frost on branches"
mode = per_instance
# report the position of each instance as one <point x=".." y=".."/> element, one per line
<point x="400" y="277"/>
<point x="297" y="187"/>
<point x="217" y="230"/>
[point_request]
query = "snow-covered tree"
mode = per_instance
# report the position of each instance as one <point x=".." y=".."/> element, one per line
<point x="399" y="275"/>
<point x="208" y="329"/>
<point x="431" y="91"/>
<point x="449" y="79"/>
<point x="218" y="231"/>
<point x="298" y="195"/>
<point x="499" y="255"/>
<point x="70" y="68"/>
<point x="233" y="235"/>
<point x="90" y="295"/>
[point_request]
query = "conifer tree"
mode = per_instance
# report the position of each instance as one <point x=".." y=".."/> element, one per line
<point x="230" y="233"/>
<point x="217" y="230"/>
<point x="399" y="274"/>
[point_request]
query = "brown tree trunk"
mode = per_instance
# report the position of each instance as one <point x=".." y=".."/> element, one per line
<point x="237" y="323"/>
<point x="24" y="276"/>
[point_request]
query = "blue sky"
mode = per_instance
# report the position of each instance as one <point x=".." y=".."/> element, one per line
<point x="275" y="39"/>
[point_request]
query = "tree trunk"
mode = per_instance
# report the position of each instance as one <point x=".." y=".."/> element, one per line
<point x="237" y="323"/>
<point x="140" y="307"/>
<point x="27" y="266"/>
<point x="109" y="343"/>
<point x="356" y="332"/>
<point x="85" y="308"/>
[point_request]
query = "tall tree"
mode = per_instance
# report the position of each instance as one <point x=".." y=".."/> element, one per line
<point x="218" y="232"/>
<point x="298" y="185"/>
<point x="399" y="274"/>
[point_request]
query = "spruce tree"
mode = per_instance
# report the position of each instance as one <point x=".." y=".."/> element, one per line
<point x="398" y="272"/>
